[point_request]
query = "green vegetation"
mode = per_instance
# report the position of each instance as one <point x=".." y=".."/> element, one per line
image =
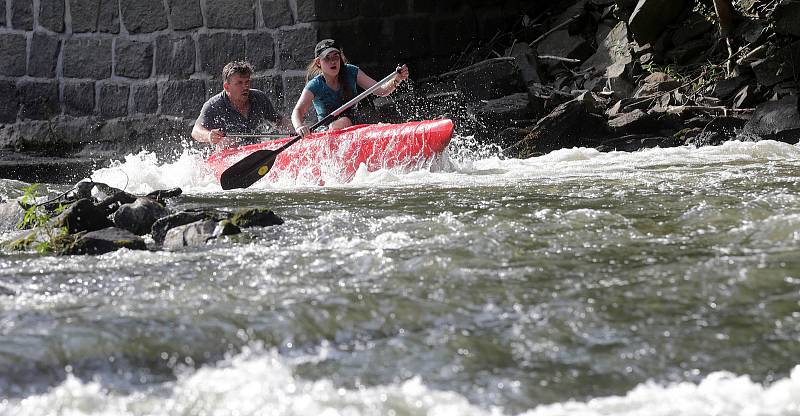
<point x="44" y="238"/>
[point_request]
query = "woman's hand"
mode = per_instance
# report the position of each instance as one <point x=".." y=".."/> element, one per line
<point x="302" y="130"/>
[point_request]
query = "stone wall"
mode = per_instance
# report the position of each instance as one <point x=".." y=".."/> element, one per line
<point x="112" y="71"/>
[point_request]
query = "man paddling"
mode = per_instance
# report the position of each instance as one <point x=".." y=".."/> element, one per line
<point x="237" y="109"/>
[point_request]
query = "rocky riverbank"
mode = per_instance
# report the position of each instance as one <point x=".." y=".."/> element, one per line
<point x="624" y="75"/>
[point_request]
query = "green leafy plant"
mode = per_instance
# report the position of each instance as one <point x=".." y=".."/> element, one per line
<point x="36" y="216"/>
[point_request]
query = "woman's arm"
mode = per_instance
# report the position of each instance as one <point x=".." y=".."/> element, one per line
<point x="365" y="81"/>
<point x="300" y="110"/>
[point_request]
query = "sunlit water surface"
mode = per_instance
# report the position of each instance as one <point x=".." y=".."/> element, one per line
<point x="661" y="282"/>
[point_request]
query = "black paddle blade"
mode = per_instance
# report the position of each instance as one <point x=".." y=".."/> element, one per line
<point x="248" y="170"/>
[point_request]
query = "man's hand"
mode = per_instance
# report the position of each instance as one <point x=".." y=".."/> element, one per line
<point x="215" y="136"/>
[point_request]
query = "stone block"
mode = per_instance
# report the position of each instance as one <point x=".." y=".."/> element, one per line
<point x="218" y="49"/>
<point x="651" y="17"/>
<point x="372" y="8"/>
<point x="87" y="58"/>
<point x="185" y="14"/>
<point x="183" y="98"/>
<point x="296" y="47"/>
<point x="276" y="13"/>
<point x="418" y="32"/>
<point x="22" y="14"/>
<point x="42" y="62"/>
<point x="134" y="59"/>
<point x="79" y="98"/>
<point x="2" y="12"/>
<point x="51" y="15"/>
<point x="260" y="49"/>
<point x="231" y="14"/>
<point x="175" y="56"/>
<point x="273" y="86"/>
<point x="144" y="16"/>
<point x="13" y="54"/>
<point x="359" y="38"/>
<point x="292" y="87"/>
<point x="313" y="11"/>
<point x="38" y="99"/>
<point x="145" y="98"/>
<point x="113" y="100"/>
<point x="9" y="105"/>
<point x="94" y="16"/>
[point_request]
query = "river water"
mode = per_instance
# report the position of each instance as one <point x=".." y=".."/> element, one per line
<point x="661" y="282"/>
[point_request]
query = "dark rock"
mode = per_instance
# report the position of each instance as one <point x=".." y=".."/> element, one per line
<point x="687" y="52"/>
<point x="635" y="142"/>
<point x="260" y="48"/>
<point x="276" y="13"/>
<point x="190" y="235"/>
<point x="745" y="98"/>
<point x="185" y="14"/>
<point x="217" y="49"/>
<point x="657" y="82"/>
<point x="183" y="98"/>
<point x="43" y="62"/>
<point x="51" y="15"/>
<point x="751" y="30"/>
<point x="2" y="12"/>
<point x="22" y="14"/>
<point x="614" y="49"/>
<point x="106" y="240"/>
<point x="13" y="54"/>
<point x="164" y="224"/>
<point x="145" y="98"/>
<point x="226" y="227"/>
<point x="310" y="10"/>
<point x="272" y="85"/>
<point x="175" y="56"/>
<point x="113" y="100"/>
<point x="295" y="47"/>
<point x="38" y="99"/>
<point x="11" y="214"/>
<point x="696" y="26"/>
<point x="110" y="203"/>
<point x="87" y="58"/>
<point x="776" y="120"/>
<point x="779" y="66"/>
<point x="230" y="14"/>
<point x="486" y="80"/>
<point x="139" y="216"/>
<point x="79" y="98"/>
<point x="134" y="59"/>
<point x="787" y="18"/>
<point x="562" y="44"/>
<point x="526" y="62"/>
<point x="256" y="217"/>
<point x="726" y="88"/>
<point x="639" y="122"/>
<point x="162" y="195"/>
<point x="94" y="16"/>
<point x="728" y="127"/>
<point x="572" y="124"/>
<point x="499" y="112"/>
<point x="83" y="215"/>
<point x="9" y="105"/>
<point x="651" y="17"/>
<point x="144" y="16"/>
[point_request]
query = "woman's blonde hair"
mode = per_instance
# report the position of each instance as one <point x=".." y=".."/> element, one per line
<point x="313" y="69"/>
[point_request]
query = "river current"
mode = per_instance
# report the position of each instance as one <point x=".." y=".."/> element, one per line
<point x="660" y="282"/>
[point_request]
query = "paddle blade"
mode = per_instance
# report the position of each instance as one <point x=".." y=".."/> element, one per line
<point x="248" y="170"/>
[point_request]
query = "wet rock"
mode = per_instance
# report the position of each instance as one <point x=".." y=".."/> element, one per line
<point x="257" y="217"/>
<point x="526" y="61"/>
<point x="138" y="217"/>
<point x="162" y="195"/>
<point x="640" y="122"/>
<point x="613" y="50"/>
<point x="687" y="52"/>
<point x="83" y="215"/>
<point x="695" y="27"/>
<point x="634" y="142"/>
<point x="656" y="82"/>
<point x="726" y="127"/>
<point x="106" y="240"/>
<point x="164" y="224"/>
<point x="111" y="203"/>
<point x="565" y="45"/>
<point x="776" y="120"/>
<point x="486" y="80"/>
<point x="499" y="112"/>
<point x="651" y="17"/>
<point x="198" y="233"/>
<point x="10" y="215"/>
<point x="727" y="88"/>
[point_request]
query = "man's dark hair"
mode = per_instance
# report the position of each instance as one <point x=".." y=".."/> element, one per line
<point x="236" y="67"/>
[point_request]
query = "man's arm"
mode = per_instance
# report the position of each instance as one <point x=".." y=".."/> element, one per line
<point x="204" y="135"/>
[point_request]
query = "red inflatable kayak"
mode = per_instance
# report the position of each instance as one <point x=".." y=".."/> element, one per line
<point x="377" y="146"/>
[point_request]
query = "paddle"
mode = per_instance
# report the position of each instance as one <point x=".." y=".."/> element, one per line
<point x="255" y="135"/>
<point x="257" y="164"/>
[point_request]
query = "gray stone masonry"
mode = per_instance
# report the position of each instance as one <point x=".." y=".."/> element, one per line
<point x="106" y="64"/>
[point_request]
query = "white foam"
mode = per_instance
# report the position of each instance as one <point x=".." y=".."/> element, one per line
<point x="260" y="382"/>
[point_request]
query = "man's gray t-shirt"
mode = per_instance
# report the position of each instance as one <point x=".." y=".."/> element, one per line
<point x="219" y="113"/>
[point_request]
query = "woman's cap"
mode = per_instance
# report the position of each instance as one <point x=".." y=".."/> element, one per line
<point x="326" y="46"/>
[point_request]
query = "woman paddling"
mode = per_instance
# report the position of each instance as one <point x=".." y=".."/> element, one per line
<point x="331" y="82"/>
